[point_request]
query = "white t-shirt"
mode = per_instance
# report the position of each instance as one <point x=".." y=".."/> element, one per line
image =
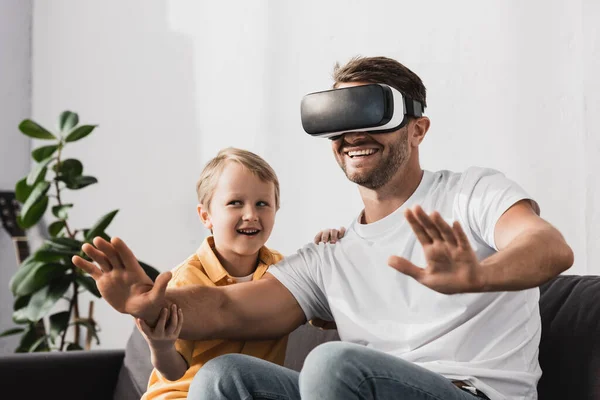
<point x="246" y="278"/>
<point x="489" y="339"/>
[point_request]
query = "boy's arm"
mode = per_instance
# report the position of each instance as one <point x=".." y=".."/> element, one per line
<point x="161" y="341"/>
<point x="252" y="310"/>
<point x="168" y="362"/>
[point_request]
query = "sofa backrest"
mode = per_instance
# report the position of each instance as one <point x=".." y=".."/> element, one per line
<point x="570" y="345"/>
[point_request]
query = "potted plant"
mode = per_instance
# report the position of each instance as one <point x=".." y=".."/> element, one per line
<point x="47" y="275"/>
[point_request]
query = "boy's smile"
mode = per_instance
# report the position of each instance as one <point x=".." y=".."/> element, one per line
<point x="248" y="232"/>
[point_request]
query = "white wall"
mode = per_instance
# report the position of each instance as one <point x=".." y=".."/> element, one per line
<point x="591" y="105"/>
<point x="15" y="105"/>
<point x="511" y="85"/>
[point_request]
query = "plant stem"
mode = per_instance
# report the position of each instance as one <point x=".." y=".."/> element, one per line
<point x="58" y="199"/>
<point x="73" y="303"/>
<point x="75" y="308"/>
<point x="64" y="333"/>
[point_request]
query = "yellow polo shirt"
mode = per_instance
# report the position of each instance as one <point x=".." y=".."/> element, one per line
<point x="204" y="268"/>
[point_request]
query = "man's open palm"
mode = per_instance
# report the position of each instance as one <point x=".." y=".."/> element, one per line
<point x="121" y="280"/>
<point x="452" y="265"/>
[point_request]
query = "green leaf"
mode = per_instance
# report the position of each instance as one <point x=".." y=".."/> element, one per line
<point x="58" y="323"/>
<point x="55" y="228"/>
<point x="74" y="347"/>
<point x="80" y="132"/>
<point x="21" y="301"/>
<point x="41" y="153"/>
<point x="39" y="345"/>
<point x="39" y="277"/>
<point x="150" y="271"/>
<point x="27" y="267"/>
<point x="55" y="254"/>
<point x="22" y="190"/>
<point x="100" y="226"/>
<point x="61" y="211"/>
<point x="12" y="331"/>
<point x="103" y="235"/>
<point x="37" y="170"/>
<point x="20" y="316"/>
<point x="44" y="299"/>
<point x="67" y="121"/>
<point x="89" y="284"/>
<point x="34" y="130"/>
<point x="20" y="309"/>
<point x="33" y="340"/>
<point x="37" y="194"/>
<point x="27" y="340"/>
<point x="64" y="243"/>
<point x="79" y="182"/>
<point x="35" y="206"/>
<point x="35" y="214"/>
<point x="69" y="168"/>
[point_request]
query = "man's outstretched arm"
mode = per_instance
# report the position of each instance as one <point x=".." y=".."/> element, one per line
<point x="262" y="309"/>
<point x="531" y="252"/>
<point x="253" y="310"/>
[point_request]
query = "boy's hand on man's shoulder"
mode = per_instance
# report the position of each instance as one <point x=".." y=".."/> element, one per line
<point x="329" y="235"/>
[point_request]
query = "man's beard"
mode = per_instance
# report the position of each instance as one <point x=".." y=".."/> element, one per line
<point x="387" y="168"/>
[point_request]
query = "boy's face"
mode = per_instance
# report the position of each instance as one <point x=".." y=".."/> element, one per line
<point x="242" y="212"/>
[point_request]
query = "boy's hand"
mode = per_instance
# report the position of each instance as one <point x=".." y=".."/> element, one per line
<point x="163" y="336"/>
<point x="329" y="235"/>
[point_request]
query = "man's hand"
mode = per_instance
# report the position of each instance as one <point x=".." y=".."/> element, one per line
<point x="452" y="265"/>
<point x="121" y="280"/>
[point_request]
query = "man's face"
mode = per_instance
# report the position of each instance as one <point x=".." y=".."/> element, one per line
<point x="371" y="160"/>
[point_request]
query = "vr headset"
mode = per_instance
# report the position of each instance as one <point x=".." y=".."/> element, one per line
<point x="373" y="108"/>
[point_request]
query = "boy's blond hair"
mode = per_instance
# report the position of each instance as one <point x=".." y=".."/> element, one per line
<point x="252" y="162"/>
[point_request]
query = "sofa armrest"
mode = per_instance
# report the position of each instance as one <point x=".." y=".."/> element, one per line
<point x="63" y="375"/>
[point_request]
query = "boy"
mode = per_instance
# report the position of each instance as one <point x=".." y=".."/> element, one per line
<point x="238" y="194"/>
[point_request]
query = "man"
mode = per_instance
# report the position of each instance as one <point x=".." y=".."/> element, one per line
<point x="433" y="287"/>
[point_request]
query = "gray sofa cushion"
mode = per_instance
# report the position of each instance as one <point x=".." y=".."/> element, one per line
<point x="136" y="368"/>
<point x="302" y="341"/>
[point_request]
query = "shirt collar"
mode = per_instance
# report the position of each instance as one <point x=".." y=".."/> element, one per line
<point x="217" y="272"/>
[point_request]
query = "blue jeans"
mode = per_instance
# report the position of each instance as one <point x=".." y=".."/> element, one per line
<point x="332" y="371"/>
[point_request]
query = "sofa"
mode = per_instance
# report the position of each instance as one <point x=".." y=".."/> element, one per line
<point x="569" y="354"/>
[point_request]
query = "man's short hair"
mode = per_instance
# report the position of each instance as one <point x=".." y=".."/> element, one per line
<point x="381" y="70"/>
